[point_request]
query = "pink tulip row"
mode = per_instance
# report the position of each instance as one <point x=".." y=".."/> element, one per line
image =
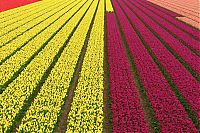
<point x="164" y="14"/>
<point x="168" y="110"/>
<point x="176" y="31"/>
<point x="173" y="14"/>
<point x="127" y="114"/>
<point x="180" y="76"/>
<point x="187" y="55"/>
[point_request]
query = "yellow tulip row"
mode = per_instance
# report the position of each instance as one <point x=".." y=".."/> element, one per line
<point x="14" y="23"/>
<point x="47" y="105"/>
<point x="9" y="48"/>
<point x="86" y="113"/>
<point x="10" y="14"/>
<point x="10" y="66"/>
<point x="25" y="27"/>
<point x="21" y="89"/>
<point x="20" y="16"/>
<point x="109" y="7"/>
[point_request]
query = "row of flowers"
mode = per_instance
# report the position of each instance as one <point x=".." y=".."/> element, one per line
<point x="127" y="114"/>
<point x="86" y="113"/>
<point x="20" y="91"/>
<point x="173" y="29"/>
<point x="169" y="112"/>
<point x="45" y="110"/>
<point x="8" y="14"/>
<point x="186" y="54"/>
<point x="30" y="28"/>
<point x="164" y="14"/>
<point x="12" y="65"/>
<point x="24" y="21"/>
<point x="109" y="7"/>
<point x="190" y="13"/>
<point x="185" y="15"/>
<point x="180" y="76"/>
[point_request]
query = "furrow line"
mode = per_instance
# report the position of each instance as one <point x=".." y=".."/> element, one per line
<point x="21" y="92"/>
<point x="178" y="80"/>
<point x="190" y="31"/>
<point x="152" y="78"/>
<point x="15" y="14"/>
<point x="87" y="107"/>
<point x="15" y="64"/>
<point x="107" y="122"/>
<point x="62" y="121"/>
<point x="48" y="106"/>
<point x="29" y="28"/>
<point x="188" y="59"/>
<point x="12" y="48"/>
<point x="127" y="112"/>
<point x="184" y="38"/>
<point x="17" y="24"/>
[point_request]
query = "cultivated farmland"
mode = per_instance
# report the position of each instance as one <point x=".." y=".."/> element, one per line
<point x="120" y="66"/>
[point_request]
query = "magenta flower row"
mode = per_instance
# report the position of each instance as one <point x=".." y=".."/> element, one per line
<point x="186" y="83"/>
<point x="167" y="15"/>
<point x="182" y="35"/>
<point x="168" y="109"/>
<point x="127" y="114"/>
<point x="187" y="55"/>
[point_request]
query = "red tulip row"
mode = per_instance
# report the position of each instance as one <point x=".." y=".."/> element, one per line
<point x="180" y="76"/>
<point x="126" y="109"/>
<point x="169" y="112"/>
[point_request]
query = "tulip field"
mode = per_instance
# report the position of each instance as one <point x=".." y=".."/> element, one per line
<point x="121" y="66"/>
